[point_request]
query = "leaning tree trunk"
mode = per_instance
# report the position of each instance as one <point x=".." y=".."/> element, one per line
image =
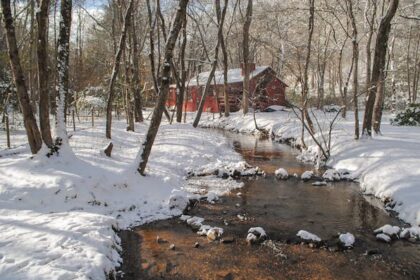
<point x="31" y="127"/>
<point x="146" y="148"/>
<point x="63" y="67"/>
<point x="373" y="111"/>
<point x="213" y="69"/>
<point x="247" y="25"/>
<point x="115" y="69"/>
<point x="42" y="54"/>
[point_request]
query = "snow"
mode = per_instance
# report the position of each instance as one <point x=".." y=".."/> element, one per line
<point x="234" y="76"/>
<point x="307" y="175"/>
<point x="259" y="231"/>
<point x="59" y="216"/>
<point x="388" y="230"/>
<point x="386" y="165"/>
<point x="281" y="173"/>
<point x="412" y="232"/>
<point x="305" y="235"/>
<point x="347" y="239"/>
<point x="383" y="237"/>
<point x="331" y="175"/>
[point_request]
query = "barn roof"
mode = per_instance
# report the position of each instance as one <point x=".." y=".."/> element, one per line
<point x="234" y="76"/>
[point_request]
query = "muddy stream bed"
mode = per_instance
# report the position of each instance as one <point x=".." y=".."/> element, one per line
<point x="282" y="208"/>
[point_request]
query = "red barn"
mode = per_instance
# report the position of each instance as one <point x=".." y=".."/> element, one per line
<point x="265" y="88"/>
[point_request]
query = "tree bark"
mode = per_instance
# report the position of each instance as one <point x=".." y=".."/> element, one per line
<point x="355" y="68"/>
<point x="225" y="65"/>
<point x="63" y="67"/>
<point x="31" y="127"/>
<point x="146" y="147"/>
<point x="305" y="88"/>
<point x="42" y="55"/>
<point x="182" y="88"/>
<point x="371" y="23"/>
<point x="373" y="111"/>
<point x="136" y="77"/>
<point x="246" y="69"/>
<point x="116" y="68"/>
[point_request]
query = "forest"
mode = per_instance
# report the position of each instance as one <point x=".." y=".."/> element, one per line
<point x="278" y="138"/>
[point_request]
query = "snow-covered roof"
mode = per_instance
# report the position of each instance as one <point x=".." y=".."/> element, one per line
<point x="234" y="76"/>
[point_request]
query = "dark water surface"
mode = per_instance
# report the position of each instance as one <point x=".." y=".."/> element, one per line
<point x="281" y="208"/>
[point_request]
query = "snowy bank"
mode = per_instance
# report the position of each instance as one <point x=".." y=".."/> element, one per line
<point x="59" y="214"/>
<point x="387" y="166"/>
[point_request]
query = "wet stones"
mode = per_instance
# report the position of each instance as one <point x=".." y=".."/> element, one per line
<point x="214" y="234"/>
<point x="281" y="174"/>
<point x="256" y="235"/>
<point x="307" y="175"/>
<point x="346" y="240"/>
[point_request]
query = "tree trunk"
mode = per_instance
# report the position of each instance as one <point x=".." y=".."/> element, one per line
<point x="355" y="68"/>
<point x="410" y="99"/>
<point x="213" y="69"/>
<point x="181" y="93"/>
<point x="225" y="65"/>
<point x="246" y="69"/>
<point x="136" y="77"/>
<point x="373" y="111"/>
<point x="116" y="68"/>
<point x="371" y="23"/>
<point x="63" y="67"/>
<point x="163" y="89"/>
<point x="305" y="89"/>
<point x="42" y="54"/>
<point x="31" y="127"/>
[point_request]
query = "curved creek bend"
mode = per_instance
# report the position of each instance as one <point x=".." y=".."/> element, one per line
<point x="282" y="208"/>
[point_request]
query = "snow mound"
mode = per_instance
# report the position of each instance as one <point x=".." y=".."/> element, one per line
<point x="413" y="232"/>
<point x="258" y="231"/>
<point x="307" y="175"/>
<point x="212" y="197"/>
<point x="319" y="183"/>
<point x="281" y="173"/>
<point x="383" y="237"/>
<point x="214" y="233"/>
<point x="388" y="230"/>
<point x="305" y="235"/>
<point x="347" y="239"/>
<point x="331" y="175"/>
<point x="195" y="222"/>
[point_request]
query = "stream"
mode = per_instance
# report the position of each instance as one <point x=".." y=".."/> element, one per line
<point x="282" y="208"/>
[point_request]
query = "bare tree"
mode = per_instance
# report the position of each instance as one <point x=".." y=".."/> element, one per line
<point x="63" y="66"/>
<point x="42" y="55"/>
<point x="355" y="65"/>
<point x="225" y="60"/>
<point x="212" y="71"/>
<point x="116" y="68"/>
<point x="31" y="127"/>
<point x="245" y="50"/>
<point x="183" y="78"/>
<point x="373" y="111"/>
<point x="146" y="147"/>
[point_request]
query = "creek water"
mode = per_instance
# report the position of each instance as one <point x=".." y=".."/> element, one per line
<point x="281" y="208"/>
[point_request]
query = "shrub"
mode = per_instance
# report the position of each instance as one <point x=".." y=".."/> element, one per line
<point x="410" y="117"/>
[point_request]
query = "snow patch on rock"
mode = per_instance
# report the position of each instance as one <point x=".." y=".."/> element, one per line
<point x="306" y="235"/>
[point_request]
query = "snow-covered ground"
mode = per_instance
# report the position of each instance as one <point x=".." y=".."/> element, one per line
<point x="388" y="166"/>
<point x="58" y="214"/>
